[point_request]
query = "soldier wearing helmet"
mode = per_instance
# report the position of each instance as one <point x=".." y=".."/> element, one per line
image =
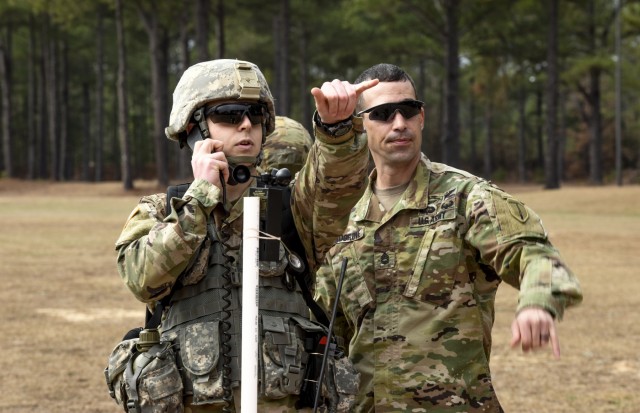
<point x="287" y="147"/>
<point x="180" y="252"/>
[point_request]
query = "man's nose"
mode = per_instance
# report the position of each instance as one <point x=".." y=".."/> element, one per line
<point x="398" y="120"/>
<point x="245" y="123"/>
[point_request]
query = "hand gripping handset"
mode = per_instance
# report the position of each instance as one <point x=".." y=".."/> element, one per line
<point x="238" y="174"/>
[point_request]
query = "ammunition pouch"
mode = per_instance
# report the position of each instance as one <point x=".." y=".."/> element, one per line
<point x="158" y="379"/>
<point x="201" y="362"/>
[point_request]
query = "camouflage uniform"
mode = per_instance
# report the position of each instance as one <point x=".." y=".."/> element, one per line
<point x="156" y="249"/>
<point x="287" y="147"/>
<point x="418" y="297"/>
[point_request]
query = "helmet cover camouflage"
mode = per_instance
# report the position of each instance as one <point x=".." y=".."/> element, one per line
<point x="287" y="147"/>
<point x="217" y="80"/>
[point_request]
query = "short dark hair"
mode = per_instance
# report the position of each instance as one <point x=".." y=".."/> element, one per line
<point x="385" y="72"/>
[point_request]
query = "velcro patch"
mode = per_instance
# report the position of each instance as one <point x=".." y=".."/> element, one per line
<point x="517" y="210"/>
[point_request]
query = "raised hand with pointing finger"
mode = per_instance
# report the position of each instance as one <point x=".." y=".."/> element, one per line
<point x="336" y="100"/>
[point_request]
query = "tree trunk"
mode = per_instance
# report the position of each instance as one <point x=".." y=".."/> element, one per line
<point x="7" y="110"/>
<point x="31" y="101"/>
<point x="220" y="32"/>
<point x="451" y="126"/>
<point x="618" y="93"/>
<point x="433" y="147"/>
<point x="562" y="135"/>
<point x="41" y="118"/>
<point x="123" y="104"/>
<point x="183" y="54"/>
<point x="522" y="135"/>
<point x="539" y="133"/>
<point x="158" y="49"/>
<point x="552" y="180"/>
<point x="305" y="97"/>
<point x="473" y="136"/>
<point x="202" y="30"/>
<point x="86" y="132"/>
<point x="65" y="166"/>
<point x="183" y="166"/>
<point x="99" y="121"/>
<point x="592" y="97"/>
<point x="51" y="82"/>
<point x="281" y="64"/>
<point x="595" y="128"/>
<point x="488" y="145"/>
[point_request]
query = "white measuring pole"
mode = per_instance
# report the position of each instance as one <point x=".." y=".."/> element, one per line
<point x="250" y="274"/>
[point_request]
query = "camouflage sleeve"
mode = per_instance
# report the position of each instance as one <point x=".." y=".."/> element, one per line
<point x="153" y="249"/>
<point x="510" y="238"/>
<point x="330" y="183"/>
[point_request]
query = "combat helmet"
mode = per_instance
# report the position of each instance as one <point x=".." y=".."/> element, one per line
<point x="287" y="147"/>
<point x="216" y="80"/>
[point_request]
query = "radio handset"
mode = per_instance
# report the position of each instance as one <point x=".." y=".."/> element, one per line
<point x="200" y="131"/>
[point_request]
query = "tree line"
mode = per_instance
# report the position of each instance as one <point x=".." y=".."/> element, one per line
<point x="515" y="90"/>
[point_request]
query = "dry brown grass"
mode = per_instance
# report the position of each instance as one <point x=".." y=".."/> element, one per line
<point x="64" y="306"/>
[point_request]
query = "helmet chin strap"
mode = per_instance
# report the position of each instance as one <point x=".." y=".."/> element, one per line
<point x="237" y="160"/>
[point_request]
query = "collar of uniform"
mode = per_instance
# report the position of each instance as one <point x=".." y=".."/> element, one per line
<point x="416" y="196"/>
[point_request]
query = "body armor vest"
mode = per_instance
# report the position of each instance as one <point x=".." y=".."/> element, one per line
<point x="197" y="359"/>
<point x="216" y="299"/>
<point x="205" y="301"/>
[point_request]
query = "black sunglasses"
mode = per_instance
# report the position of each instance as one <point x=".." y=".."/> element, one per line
<point x="386" y="111"/>
<point x="233" y="113"/>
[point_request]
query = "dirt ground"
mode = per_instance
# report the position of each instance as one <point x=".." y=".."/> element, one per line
<point x="64" y="306"/>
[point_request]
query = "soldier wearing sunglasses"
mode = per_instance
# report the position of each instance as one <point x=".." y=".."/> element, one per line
<point x="180" y="253"/>
<point x="427" y="247"/>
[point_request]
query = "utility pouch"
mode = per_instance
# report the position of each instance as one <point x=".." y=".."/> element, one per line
<point x="341" y="381"/>
<point x="144" y="381"/>
<point x="283" y="358"/>
<point x="200" y="359"/>
<point x="341" y="384"/>
<point x="114" y="372"/>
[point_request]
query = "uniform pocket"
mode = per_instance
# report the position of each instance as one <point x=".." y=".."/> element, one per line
<point x="356" y="296"/>
<point x="200" y="356"/>
<point x="437" y="261"/>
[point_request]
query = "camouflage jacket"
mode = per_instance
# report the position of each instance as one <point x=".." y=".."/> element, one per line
<point x="155" y="249"/>
<point x="417" y="302"/>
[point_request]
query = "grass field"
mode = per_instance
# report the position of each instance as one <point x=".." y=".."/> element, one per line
<point x="64" y="306"/>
